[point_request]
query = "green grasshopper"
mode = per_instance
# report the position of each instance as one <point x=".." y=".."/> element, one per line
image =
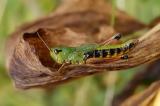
<point x="80" y="54"/>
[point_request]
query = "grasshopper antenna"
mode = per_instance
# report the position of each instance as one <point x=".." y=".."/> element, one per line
<point x="64" y="64"/>
<point x="43" y="41"/>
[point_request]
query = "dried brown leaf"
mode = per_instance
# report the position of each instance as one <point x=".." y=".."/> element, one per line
<point x="30" y="64"/>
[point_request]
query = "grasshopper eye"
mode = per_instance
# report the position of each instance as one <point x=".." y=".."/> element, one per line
<point x="56" y="51"/>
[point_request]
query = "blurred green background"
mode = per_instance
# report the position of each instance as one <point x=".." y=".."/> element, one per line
<point x="90" y="91"/>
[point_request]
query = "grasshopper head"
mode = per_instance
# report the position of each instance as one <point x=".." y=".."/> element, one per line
<point x="61" y="54"/>
<point x="56" y="54"/>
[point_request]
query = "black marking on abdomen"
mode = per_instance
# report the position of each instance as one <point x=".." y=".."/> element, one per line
<point x="90" y="54"/>
<point x="112" y="52"/>
<point x="104" y="53"/>
<point x="97" y="53"/>
<point x="119" y="50"/>
<point x="131" y="45"/>
<point x="125" y="48"/>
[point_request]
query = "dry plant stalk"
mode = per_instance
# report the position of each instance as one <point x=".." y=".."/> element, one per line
<point x="144" y="77"/>
<point x="30" y="64"/>
<point x="145" y="98"/>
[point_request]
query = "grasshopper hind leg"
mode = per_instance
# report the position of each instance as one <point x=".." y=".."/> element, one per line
<point x="117" y="36"/>
<point x="114" y="37"/>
